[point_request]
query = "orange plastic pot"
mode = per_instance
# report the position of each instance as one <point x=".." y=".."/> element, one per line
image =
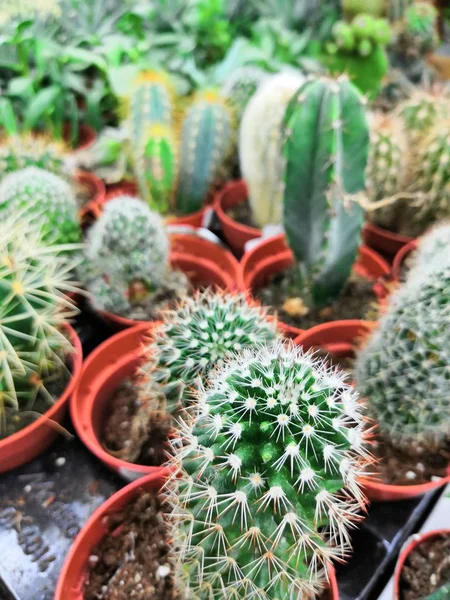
<point x="113" y="361"/>
<point x="200" y="271"/>
<point x="400" y="258"/>
<point x="236" y="234"/>
<point x="74" y="571"/>
<point x="273" y="255"/>
<point x="415" y="541"/>
<point x="23" y="446"/>
<point x="383" y="240"/>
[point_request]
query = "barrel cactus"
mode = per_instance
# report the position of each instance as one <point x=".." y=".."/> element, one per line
<point x="20" y="151"/>
<point x="35" y="192"/>
<point x="206" y="140"/>
<point x="433" y="245"/>
<point x="267" y="489"/>
<point x="421" y="112"/>
<point x="33" y="309"/>
<point x="326" y="149"/>
<point x="260" y="146"/>
<point x="403" y="369"/>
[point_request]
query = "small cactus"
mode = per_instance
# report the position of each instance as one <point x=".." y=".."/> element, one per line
<point x="260" y="146"/>
<point x="18" y="152"/>
<point x="268" y="488"/>
<point x="442" y="593"/>
<point x="33" y="308"/>
<point x="239" y="88"/>
<point x="421" y="26"/>
<point x="431" y="248"/>
<point x="206" y="140"/>
<point x="326" y="149"/>
<point x="404" y="368"/>
<point x="421" y="112"/>
<point x="35" y="192"/>
<point x="396" y="10"/>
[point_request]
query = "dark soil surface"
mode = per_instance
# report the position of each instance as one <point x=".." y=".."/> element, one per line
<point x="426" y="569"/>
<point x="132" y="561"/>
<point x="242" y="213"/>
<point x="280" y="295"/>
<point x="412" y="467"/>
<point x="117" y="436"/>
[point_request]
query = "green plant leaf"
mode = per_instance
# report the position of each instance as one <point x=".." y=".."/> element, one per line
<point x="85" y="57"/>
<point x="7" y="118"/>
<point x="19" y="86"/>
<point x="41" y="103"/>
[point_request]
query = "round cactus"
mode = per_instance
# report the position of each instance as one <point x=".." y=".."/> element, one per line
<point x="33" y="192"/>
<point x="403" y="369"/>
<point x="33" y="307"/>
<point x="421" y="112"/>
<point x="431" y="248"/>
<point x="19" y="152"/>
<point x="421" y="26"/>
<point x="260" y="146"/>
<point x="268" y="488"/>
<point x="126" y="248"/>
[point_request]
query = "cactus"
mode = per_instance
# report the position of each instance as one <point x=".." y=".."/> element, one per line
<point x="396" y="10"/>
<point x="421" y="112"/>
<point x="33" y="308"/>
<point x="268" y="488"/>
<point x="421" y="26"/>
<point x="152" y="138"/>
<point x="127" y="253"/>
<point x="260" y="146"/>
<point x="240" y="87"/>
<point x="403" y="369"/>
<point x="431" y="247"/>
<point x="34" y="192"/>
<point x="442" y="593"/>
<point x="20" y="151"/>
<point x="369" y="7"/>
<point x="206" y="140"/>
<point x="326" y="149"/>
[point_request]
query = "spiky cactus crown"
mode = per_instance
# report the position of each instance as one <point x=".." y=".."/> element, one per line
<point x="35" y="192"/>
<point x="432" y="249"/>
<point x="261" y="143"/>
<point x="21" y="151"/>
<point x="33" y="307"/>
<point x="404" y="368"/>
<point x="127" y="245"/>
<point x="268" y="489"/>
<point x="421" y="112"/>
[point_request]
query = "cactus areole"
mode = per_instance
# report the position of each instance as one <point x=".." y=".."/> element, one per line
<point x="326" y="148"/>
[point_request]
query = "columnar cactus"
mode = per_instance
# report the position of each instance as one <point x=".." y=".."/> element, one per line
<point x="33" y="308"/>
<point x="206" y="140"/>
<point x="20" y="151"/>
<point x="268" y="488"/>
<point x="404" y="368"/>
<point x="421" y="112"/>
<point x="260" y="146"/>
<point x="240" y="87"/>
<point x="127" y="254"/>
<point x="35" y="192"/>
<point x="326" y="149"/>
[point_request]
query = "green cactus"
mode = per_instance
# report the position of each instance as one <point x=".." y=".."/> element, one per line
<point x="20" y="151"/>
<point x="268" y="487"/>
<point x="403" y="369"/>
<point x="33" y="307"/>
<point x="126" y="254"/>
<point x="240" y="87"/>
<point x="374" y="8"/>
<point x="431" y="247"/>
<point x="206" y="140"/>
<point x="34" y="192"/>
<point x="442" y="593"/>
<point x="421" y="26"/>
<point x="396" y="9"/>
<point x="260" y="146"/>
<point x="326" y="149"/>
<point x="421" y="112"/>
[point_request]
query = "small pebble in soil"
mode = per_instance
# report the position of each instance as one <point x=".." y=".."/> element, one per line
<point x="60" y="462"/>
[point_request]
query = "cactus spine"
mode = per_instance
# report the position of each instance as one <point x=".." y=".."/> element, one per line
<point x="260" y="146"/>
<point x="420" y="26"/>
<point x="205" y="143"/>
<point x="21" y="151"/>
<point x="326" y="149"/>
<point x="421" y="112"/>
<point x="35" y="192"/>
<point x="33" y="308"/>
<point x="269" y="477"/>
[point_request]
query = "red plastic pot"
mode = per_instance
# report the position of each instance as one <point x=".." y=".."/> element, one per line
<point x="86" y="136"/>
<point x="26" y="444"/>
<point x="109" y="364"/>
<point x="400" y="258"/>
<point x="236" y="234"/>
<point x="200" y="271"/>
<point x="383" y="240"/>
<point x="90" y="211"/>
<point x="73" y="573"/>
<point x="410" y="546"/>
<point x="273" y="255"/>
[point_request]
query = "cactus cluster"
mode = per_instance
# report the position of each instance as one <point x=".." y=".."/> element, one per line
<point x="36" y="193"/>
<point x="326" y="150"/>
<point x="268" y="486"/>
<point x="33" y="308"/>
<point x="404" y="368"/>
<point x="177" y="171"/>
<point x="20" y="151"/>
<point x="260" y="146"/>
<point x="126" y="255"/>
<point x="360" y="36"/>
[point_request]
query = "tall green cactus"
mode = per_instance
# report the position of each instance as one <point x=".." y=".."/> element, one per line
<point x="205" y="143"/>
<point x="268" y="487"/>
<point x="326" y="148"/>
